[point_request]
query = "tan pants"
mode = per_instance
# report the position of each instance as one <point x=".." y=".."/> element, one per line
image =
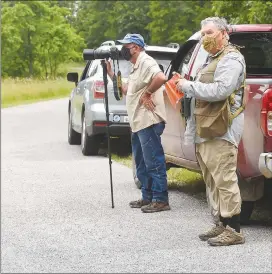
<point x="218" y="162"/>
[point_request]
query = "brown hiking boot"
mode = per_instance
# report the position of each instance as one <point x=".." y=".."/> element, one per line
<point x="139" y="203"/>
<point x="155" y="207"/>
<point x="215" y="231"/>
<point x="228" y="237"/>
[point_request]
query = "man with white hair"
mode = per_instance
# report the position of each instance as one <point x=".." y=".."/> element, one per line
<point x="216" y="126"/>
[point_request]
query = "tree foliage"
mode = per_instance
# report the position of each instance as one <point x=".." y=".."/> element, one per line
<point x="98" y="21"/>
<point x="175" y="21"/>
<point x="244" y="12"/>
<point x="161" y="22"/>
<point x="37" y="36"/>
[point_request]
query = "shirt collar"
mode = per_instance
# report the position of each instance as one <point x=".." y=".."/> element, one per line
<point x="141" y="55"/>
<point x="219" y="52"/>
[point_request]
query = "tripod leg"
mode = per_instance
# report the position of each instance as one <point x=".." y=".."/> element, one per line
<point x="108" y="123"/>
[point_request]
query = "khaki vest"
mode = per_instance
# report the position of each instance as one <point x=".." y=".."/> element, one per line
<point x="214" y="118"/>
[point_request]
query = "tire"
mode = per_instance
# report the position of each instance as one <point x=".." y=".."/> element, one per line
<point x="74" y="137"/>
<point x="246" y="211"/>
<point x="136" y="180"/>
<point x="89" y="144"/>
<point x="267" y="188"/>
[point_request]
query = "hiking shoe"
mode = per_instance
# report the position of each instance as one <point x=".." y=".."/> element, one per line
<point x="228" y="237"/>
<point x="215" y="231"/>
<point x="155" y="207"/>
<point x="139" y="203"/>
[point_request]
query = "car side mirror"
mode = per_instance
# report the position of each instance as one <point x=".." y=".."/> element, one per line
<point x="72" y="77"/>
<point x="161" y="67"/>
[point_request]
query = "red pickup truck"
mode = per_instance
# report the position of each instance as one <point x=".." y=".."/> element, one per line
<point x="257" y="136"/>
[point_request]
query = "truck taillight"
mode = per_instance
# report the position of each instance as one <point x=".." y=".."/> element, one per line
<point x="99" y="90"/>
<point x="266" y="113"/>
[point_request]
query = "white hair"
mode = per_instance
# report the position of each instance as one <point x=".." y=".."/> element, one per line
<point x="220" y="23"/>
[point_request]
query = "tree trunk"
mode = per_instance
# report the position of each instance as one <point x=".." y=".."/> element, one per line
<point x="55" y="69"/>
<point x="45" y="68"/>
<point x="50" y="64"/>
<point x="30" y="54"/>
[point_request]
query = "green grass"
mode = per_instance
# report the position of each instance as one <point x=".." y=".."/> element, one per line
<point x="23" y="91"/>
<point x="126" y="161"/>
<point x="181" y="178"/>
<point x="178" y="178"/>
<point x="16" y="92"/>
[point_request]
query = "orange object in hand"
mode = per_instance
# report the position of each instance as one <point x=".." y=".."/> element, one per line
<point x="171" y="90"/>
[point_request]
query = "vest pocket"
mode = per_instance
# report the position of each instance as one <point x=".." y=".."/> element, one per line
<point x="212" y="118"/>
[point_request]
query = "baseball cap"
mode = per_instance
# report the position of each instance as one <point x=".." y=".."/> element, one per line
<point x="133" y="38"/>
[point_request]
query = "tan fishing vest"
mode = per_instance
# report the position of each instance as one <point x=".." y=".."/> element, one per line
<point x="214" y="118"/>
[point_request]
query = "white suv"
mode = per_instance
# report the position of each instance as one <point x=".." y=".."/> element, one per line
<point x="86" y="108"/>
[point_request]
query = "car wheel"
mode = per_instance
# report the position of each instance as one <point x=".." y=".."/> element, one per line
<point x="73" y="136"/>
<point x="136" y="180"/>
<point x="89" y="144"/>
<point x="246" y="211"/>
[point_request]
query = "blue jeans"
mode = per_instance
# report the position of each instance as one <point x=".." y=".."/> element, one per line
<point x="150" y="162"/>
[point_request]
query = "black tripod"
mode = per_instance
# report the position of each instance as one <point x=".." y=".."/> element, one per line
<point x="105" y="79"/>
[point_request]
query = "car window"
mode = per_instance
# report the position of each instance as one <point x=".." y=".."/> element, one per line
<point x="200" y="60"/>
<point x="163" y="58"/>
<point x="184" y="65"/>
<point x="124" y="66"/>
<point x="92" y="69"/>
<point x="257" y="51"/>
<point x="84" y="73"/>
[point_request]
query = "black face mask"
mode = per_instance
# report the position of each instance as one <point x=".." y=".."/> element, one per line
<point x="126" y="53"/>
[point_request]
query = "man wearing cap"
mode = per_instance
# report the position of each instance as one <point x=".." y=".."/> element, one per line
<point x="147" y="117"/>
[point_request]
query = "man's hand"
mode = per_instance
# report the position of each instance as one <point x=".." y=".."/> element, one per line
<point x="179" y="83"/>
<point x="146" y="100"/>
<point x="109" y="69"/>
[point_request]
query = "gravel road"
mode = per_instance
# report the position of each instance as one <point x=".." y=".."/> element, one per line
<point x="57" y="215"/>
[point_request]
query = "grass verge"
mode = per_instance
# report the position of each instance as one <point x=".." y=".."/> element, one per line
<point x="178" y="178"/>
<point x="16" y="92"/>
<point x="126" y="161"/>
<point x="24" y="91"/>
